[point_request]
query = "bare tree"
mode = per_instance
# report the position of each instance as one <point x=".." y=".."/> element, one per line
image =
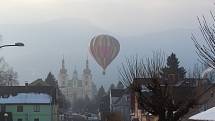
<point x="206" y="49"/>
<point x="205" y="46"/>
<point x="196" y="71"/>
<point x="8" y="77"/>
<point x="159" y="98"/>
<point x="138" y="67"/>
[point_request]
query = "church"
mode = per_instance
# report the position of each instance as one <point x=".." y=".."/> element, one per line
<point x="74" y="87"/>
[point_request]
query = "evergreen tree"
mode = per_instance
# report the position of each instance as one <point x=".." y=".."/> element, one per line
<point x="89" y="105"/>
<point x="173" y="67"/>
<point x="51" y="80"/>
<point x="101" y="92"/>
<point x="120" y="85"/>
<point x="112" y="86"/>
<point x="64" y="104"/>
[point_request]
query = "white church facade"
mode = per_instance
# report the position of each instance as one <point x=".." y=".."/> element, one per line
<point x="74" y="87"/>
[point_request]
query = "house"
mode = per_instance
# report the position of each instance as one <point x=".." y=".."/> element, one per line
<point x="120" y="102"/>
<point x="205" y="101"/>
<point x="28" y="103"/>
<point x="115" y="94"/>
<point x="181" y="90"/>
<point x="115" y="104"/>
<point x="38" y="82"/>
<point x="104" y="107"/>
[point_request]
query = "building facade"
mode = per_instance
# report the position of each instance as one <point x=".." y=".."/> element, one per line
<point x="120" y="102"/>
<point x="75" y="87"/>
<point x="116" y="104"/>
<point x="205" y="101"/>
<point x="28" y="104"/>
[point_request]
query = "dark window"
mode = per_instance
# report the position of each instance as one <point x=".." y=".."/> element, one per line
<point x="19" y="119"/>
<point x="36" y="108"/>
<point x="3" y="108"/>
<point x="19" y="108"/>
<point x="36" y="119"/>
<point x="5" y="96"/>
<point x="212" y="93"/>
<point x="205" y="107"/>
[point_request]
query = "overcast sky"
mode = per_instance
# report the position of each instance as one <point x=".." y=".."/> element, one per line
<point x="128" y="20"/>
<point x="114" y="15"/>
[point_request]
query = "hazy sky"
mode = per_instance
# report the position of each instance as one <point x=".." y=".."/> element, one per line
<point x="52" y="28"/>
<point x="114" y="15"/>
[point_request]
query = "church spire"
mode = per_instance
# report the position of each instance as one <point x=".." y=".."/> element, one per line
<point x="63" y="63"/>
<point x="63" y="76"/>
<point x="87" y="64"/>
<point x="63" y="69"/>
<point x="87" y="69"/>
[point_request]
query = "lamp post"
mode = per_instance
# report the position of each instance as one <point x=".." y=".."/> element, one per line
<point x="18" y="44"/>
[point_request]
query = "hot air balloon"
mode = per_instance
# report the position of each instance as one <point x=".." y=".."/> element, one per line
<point x="104" y="49"/>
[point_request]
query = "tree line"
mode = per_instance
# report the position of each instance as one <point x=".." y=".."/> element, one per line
<point x="92" y="106"/>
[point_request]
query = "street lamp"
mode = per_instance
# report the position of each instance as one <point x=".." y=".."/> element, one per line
<point x="18" y="44"/>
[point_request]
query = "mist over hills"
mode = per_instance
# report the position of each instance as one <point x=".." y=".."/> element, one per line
<point x="173" y="40"/>
<point x="46" y="44"/>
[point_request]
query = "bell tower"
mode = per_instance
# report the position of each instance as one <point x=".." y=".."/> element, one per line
<point x="62" y="76"/>
<point x="87" y="81"/>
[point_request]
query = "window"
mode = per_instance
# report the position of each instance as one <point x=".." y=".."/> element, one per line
<point x="5" y="96"/>
<point x="79" y="83"/>
<point x="19" y="108"/>
<point x="36" y="108"/>
<point x="3" y="108"/>
<point x="205" y="107"/>
<point x="19" y="119"/>
<point x="212" y="93"/>
<point x="36" y="119"/>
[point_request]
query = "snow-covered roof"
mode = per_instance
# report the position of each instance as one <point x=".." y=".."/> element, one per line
<point x="27" y="98"/>
<point x="206" y="115"/>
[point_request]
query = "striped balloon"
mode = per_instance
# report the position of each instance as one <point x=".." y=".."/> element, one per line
<point x="104" y="49"/>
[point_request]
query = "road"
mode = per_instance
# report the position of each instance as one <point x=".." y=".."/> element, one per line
<point x="77" y="118"/>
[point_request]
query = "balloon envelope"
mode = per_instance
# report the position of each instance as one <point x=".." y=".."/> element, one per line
<point x="104" y="49"/>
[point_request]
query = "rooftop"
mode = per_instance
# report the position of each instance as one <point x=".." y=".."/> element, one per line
<point x="117" y="92"/>
<point x="20" y="91"/>
<point x="27" y="98"/>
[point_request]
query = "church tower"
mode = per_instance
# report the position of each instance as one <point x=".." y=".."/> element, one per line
<point x="63" y="76"/>
<point x="73" y="87"/>
<point x="75" y="79"/>
<point x="87" y="81"/>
